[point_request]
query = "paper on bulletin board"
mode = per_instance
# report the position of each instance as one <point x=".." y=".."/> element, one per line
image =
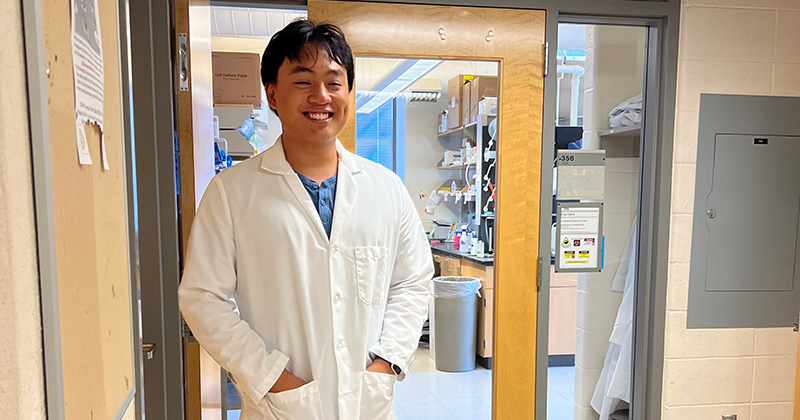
<point x="87" y="68"/>
<point x="579" y="237"/>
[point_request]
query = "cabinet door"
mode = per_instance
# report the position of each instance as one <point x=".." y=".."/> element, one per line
<point x="486" y="323"/>
<point x="451" y="266"/>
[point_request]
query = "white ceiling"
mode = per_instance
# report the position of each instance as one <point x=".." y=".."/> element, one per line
<point x="250" y="22"/>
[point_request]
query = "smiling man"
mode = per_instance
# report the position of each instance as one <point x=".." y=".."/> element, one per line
<point x="322" y="250"/>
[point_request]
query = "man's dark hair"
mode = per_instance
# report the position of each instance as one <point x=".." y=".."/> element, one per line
<point x="294" y="40"/>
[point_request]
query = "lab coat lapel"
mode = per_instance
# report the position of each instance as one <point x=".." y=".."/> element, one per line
<point x="345" y="189"/>
<point x="274" y="161"/>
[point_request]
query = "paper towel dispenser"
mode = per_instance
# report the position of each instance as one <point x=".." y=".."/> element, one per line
<point x="745" y="258"/>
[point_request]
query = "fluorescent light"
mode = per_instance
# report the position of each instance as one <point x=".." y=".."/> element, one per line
<point x="402" y="75"/>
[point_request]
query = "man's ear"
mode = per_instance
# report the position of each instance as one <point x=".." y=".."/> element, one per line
<point x="269" y="89"/>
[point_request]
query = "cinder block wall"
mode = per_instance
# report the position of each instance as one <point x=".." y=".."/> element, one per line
<point x="734" y="47"/>
<point x="21" y="374"/>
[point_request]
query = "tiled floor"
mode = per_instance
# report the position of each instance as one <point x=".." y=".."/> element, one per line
<point x="427" y="394"/>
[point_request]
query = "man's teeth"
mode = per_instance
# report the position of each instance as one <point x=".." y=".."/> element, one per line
<point x="313" y="116"/>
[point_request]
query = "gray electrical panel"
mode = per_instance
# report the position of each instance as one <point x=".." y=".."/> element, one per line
<point x="745" y="265"/>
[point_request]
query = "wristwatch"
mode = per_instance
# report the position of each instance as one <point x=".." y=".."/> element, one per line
<point x="396" y="369"/>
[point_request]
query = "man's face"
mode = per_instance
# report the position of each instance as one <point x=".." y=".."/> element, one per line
<point x="311" y="97"/>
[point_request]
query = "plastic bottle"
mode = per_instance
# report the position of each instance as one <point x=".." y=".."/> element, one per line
<point x="464" y="239"/>
<point x="473" y="245"/>
<point x="479" y="252"/>
<point x="457" y="242"/>
<point x="453" y="187"/>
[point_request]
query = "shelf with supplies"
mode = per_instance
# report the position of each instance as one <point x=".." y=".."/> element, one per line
<point x="451" y="139"/>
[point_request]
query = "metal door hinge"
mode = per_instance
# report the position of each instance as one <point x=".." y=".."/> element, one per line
<point x="797" y="325"/>
<point x="539" y="274"/>
<point x="546" y="58"/>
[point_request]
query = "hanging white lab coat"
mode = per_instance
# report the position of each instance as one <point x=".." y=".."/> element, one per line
<point x="614" y="384"/>
<point x="314" y="306"/>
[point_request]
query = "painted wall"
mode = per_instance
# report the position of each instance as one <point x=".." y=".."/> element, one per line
<point x="614" y="73"/>
<point x="735" y="47"/>
<point x="22" y="378"/>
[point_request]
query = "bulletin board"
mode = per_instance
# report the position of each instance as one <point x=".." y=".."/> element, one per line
<point x="90" y="227"/>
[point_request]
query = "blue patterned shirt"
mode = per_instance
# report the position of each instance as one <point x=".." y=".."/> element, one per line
<point x="323" y="196"/>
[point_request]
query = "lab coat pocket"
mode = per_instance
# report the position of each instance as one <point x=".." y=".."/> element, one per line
<point x="371" y="264"/>
<point x="301" y="403"/>
<point x="376" y="397"/>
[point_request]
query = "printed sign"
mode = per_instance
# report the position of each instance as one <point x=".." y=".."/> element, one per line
<point x="579" y="228"/>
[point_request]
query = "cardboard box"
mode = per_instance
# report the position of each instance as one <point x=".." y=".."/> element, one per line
<point x="237" y="78"/>
<point x="455" y="99"/>
<point x="482" y="86"/>
<point x="466" y="89"/>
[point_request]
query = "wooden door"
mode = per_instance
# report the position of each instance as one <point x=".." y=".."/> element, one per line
<point x="195" y="129"/>
<point x="517" y="44"/>
<point x="90" y="223"/>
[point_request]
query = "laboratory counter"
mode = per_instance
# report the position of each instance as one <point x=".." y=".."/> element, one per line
<point x="447" y="249"/>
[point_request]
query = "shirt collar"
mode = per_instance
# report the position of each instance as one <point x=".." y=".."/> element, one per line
<point x="274" y="159"/>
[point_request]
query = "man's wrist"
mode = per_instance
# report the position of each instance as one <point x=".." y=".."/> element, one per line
<point x="393" y="367"/>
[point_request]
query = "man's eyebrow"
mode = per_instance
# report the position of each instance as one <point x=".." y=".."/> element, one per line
<point x="301" y="69"/>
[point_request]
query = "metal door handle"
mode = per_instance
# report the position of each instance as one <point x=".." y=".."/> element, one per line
<point x="148" y="350"/>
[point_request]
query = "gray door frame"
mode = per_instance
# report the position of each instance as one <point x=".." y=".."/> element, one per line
<point x="654" y="205"/>
<point x="150" y="107"/>
<point x="661" y="18"/>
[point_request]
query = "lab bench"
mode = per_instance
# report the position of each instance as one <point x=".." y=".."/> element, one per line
<point x="451" y="262"/>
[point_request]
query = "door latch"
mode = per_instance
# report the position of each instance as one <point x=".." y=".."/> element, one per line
<point x="149" y="351"/>
<point x="183" y="62"/>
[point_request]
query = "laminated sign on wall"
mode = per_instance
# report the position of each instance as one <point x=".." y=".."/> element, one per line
<point x="87" y="67"/>
<point x="580" y="237"/>
<point x="581" y="174"/>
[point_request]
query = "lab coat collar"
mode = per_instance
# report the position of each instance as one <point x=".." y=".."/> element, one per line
<point x="274" y="159"/>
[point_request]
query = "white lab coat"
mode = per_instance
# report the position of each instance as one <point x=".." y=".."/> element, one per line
<point x="314" y="306"/>
<point x="614" y="385"/>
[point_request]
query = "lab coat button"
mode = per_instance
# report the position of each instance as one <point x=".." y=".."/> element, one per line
<point x="340" y="346"/>
<point x="336" y="248"/>
<point x="337" y="298"/>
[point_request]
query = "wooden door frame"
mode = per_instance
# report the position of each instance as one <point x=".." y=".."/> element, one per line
<point x="517" y="46"/>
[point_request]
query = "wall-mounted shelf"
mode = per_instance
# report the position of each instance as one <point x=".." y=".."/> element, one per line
<point x="629" y="131"/>
<point x="455" y="167"/>
<point x="621" y="142"/>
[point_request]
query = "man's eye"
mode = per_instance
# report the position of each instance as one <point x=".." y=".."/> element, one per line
<point x="302" y="83"/>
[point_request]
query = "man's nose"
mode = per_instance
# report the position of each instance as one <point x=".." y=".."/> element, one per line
<point x="320" y="94"/>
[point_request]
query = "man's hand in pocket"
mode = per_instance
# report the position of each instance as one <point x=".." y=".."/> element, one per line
<point x="287" y="382"/>
<point x="380" y="366"/>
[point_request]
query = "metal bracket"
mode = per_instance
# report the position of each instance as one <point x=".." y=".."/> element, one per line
<point x="183" y="62"/>
<point x="546" y="58"/>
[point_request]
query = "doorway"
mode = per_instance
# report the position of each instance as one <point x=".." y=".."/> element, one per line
<point x="407" y="121"/>
<point x="599" y="112"/>
<point x="521" y="346"/>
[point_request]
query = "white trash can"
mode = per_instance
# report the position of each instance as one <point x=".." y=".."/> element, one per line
<point x="456" y="321"/>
